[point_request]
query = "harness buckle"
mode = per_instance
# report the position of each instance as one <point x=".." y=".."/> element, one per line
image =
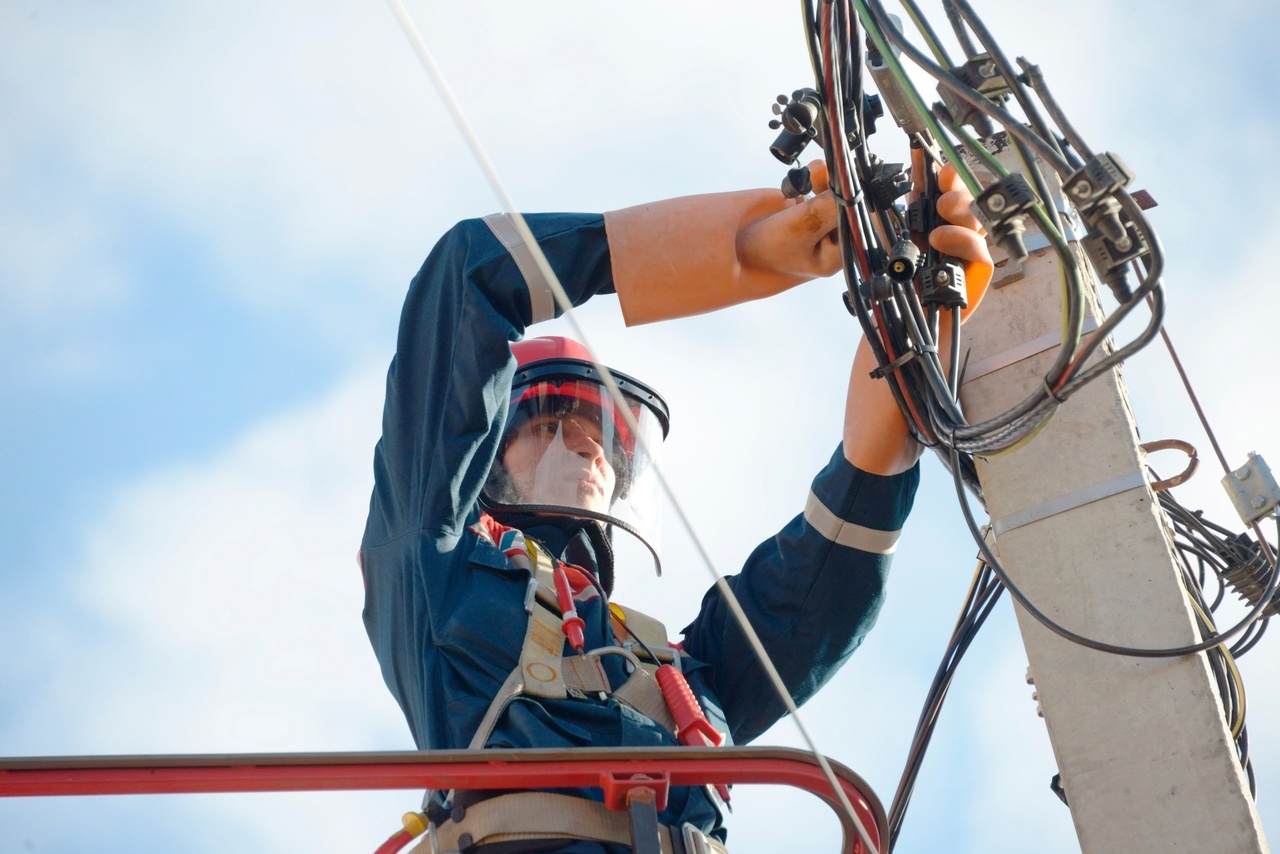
<point x="530" y="594"/>
<point x="695" y="841"/>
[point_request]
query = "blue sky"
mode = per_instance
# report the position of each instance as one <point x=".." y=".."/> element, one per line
<point x="208" y="215"/>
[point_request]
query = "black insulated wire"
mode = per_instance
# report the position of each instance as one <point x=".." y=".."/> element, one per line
<point x="1100" y="646"/>
<point x="968" y="94"/>
<point x="958" y="28"/>
<point x="979" y="27"/>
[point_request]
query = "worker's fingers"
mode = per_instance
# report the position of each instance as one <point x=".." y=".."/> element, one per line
<point x="954" y="208"/>
<point x="971" y="249"/>
<point x="949" y="179"/>
<point x="794" y="240"/>
<point x="818" y="176"/>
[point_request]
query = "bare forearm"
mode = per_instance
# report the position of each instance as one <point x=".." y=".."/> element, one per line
<point x="876" y="438"/>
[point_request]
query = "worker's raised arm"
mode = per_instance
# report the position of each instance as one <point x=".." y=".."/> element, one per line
<point x="446" y="391"/>
<point x="696" y="254"/>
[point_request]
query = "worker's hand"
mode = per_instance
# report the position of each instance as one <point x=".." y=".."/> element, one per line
<point x="963" y="238"/>
<point x="797" y="240"/>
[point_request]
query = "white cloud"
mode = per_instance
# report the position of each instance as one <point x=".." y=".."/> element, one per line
<point x="217" y="609"/>
<point x="302" y="144"/>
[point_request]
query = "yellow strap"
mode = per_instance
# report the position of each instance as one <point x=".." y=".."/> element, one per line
<point x="648" y="629"/>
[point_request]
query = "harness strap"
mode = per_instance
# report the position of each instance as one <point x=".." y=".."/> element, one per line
<point x="544" y="670"/>
<point x="545" y="815"/>
<point x="643" y="693"/>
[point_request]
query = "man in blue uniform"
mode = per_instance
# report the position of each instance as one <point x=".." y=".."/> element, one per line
<point x="497" y="470"/>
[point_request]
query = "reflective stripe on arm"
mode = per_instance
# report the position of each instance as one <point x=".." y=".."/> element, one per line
<point x="843" y="533"/>
<point x="541" y="301"/>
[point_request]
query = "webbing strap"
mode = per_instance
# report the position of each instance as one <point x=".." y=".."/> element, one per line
<point x="544" y="670"/>
<point x="509" y="690"/>
<point x="542" y="815"/>
<point x="643" y="693"/>
<point x="540" y="656"/>
<point x="648" y="629"/>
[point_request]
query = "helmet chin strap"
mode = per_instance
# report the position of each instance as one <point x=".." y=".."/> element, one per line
<point x="559" y="511"/>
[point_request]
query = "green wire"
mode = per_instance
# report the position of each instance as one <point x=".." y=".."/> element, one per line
<point x="926" y="32"/>
<point x="895" y="68"/>
<point x="1046" y="225"/>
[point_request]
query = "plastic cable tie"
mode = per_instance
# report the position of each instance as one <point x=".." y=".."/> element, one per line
<point x="884" y="370"/>
<point x="842" y="201"/>
<point x="1044" y="382"/>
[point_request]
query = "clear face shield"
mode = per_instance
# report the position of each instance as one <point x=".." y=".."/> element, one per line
<point x="568" y="447"/>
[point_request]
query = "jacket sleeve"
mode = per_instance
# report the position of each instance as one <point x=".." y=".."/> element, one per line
<point x="812" y="592"/>
<point x="448" y="385"/>
<point x="446" y="402"/>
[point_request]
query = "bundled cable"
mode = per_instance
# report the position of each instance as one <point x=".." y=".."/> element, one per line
<point x="909" y="299"/>
<point x="984" y="592"/>
<point x="906" y="297"/>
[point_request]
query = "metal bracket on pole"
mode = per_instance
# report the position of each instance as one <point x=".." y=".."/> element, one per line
<point x="1253" y="489"/>
<point x="1022" y="351"/>
<point x="1070" y="501"/>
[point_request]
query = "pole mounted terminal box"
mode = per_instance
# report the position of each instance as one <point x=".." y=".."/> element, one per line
<point x="1253" y="489"/>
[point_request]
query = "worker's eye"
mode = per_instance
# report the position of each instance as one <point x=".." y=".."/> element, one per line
<point x="545" y="427"/>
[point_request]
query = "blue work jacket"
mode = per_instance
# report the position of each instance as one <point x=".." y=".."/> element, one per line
<point x="444" y="605"/>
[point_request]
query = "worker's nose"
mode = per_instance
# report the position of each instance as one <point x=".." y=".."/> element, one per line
<point x="581" y="439"/>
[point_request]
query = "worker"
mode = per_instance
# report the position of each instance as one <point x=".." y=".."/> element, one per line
<point x="505" y="468"/>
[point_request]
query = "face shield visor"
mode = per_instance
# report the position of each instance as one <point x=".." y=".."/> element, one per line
<point x="568" y="448"/>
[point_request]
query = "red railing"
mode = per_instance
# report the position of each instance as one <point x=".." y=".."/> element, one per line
<point x="615" y="770"/>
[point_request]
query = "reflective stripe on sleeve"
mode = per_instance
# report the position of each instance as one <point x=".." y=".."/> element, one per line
<point x="848" y="534"/>
<point x="541" y="301"/>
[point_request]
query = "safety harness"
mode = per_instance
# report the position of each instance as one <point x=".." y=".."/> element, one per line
<point x="654" y="688"/>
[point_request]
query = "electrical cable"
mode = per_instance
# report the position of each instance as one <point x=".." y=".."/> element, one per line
<point x="1035" y="79"/>
<point x="984" y="592"/>
<point x="926" y="30"/>
<point x="959" y="29"/>
<point x="979" y="28"/>
<point x="1090" y="643"/>
<point x="875" y="11"/>
<point x="905" y="337"/>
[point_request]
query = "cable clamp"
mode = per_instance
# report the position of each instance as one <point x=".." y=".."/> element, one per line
<point x="1252" y="489"/>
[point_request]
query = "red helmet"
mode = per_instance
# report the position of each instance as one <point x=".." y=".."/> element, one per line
<point x="549" y="364"/>
<point x="557" y="398"/>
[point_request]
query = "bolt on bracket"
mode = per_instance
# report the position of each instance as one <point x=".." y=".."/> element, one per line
<point x="1252" y="489"/>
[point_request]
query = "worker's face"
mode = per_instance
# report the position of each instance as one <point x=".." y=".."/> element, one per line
<point x="561" y="460"/>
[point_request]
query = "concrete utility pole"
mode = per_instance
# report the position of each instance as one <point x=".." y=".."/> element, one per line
<point x="1147" y="761"/>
